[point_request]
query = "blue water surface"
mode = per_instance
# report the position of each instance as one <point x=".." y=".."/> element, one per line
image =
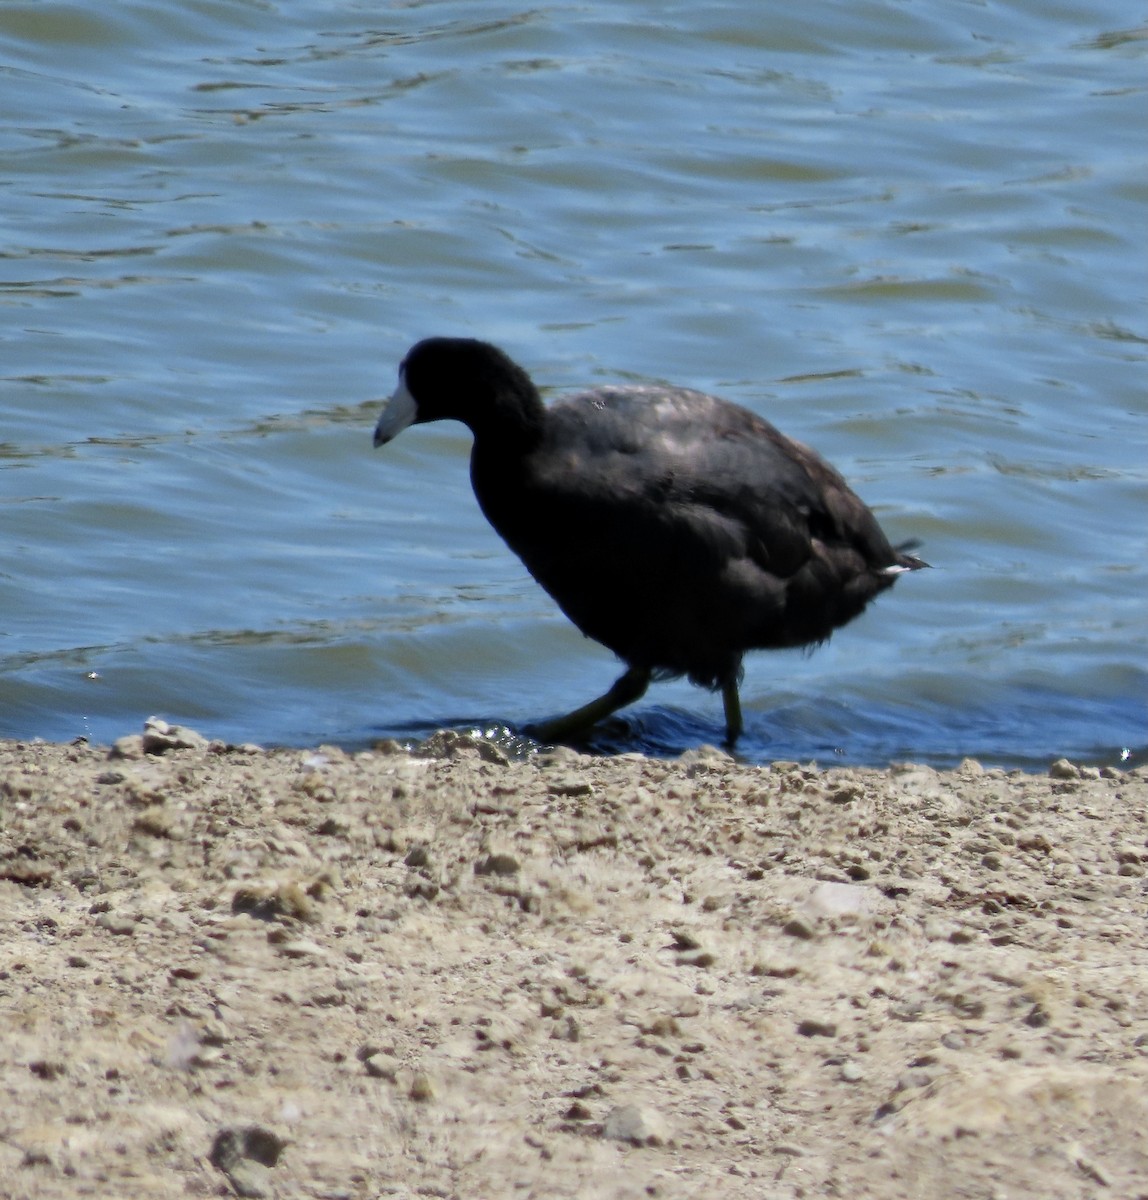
<point x="911" y="236"/>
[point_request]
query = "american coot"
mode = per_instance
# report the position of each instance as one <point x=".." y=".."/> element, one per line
<point x="677" y="529"/>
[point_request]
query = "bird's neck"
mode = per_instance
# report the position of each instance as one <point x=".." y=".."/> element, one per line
<point x="513" y="426"/>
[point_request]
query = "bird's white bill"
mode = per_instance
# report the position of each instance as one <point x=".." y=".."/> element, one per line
<point x="399" y="411"/>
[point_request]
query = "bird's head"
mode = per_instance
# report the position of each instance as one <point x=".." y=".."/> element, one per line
<point x="458" y="379"/>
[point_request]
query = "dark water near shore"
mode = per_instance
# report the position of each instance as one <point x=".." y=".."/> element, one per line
<point x="911" y="236"/>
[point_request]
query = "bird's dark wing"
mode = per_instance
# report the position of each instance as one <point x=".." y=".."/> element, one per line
<point x="680" y="530"/>
<point x="697" y="452"/>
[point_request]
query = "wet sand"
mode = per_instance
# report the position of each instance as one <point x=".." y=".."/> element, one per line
<point x="225" y="970"/>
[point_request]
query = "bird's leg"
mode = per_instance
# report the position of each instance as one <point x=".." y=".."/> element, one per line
<point x="732" y="703"/>
<point x="627" y="688"/>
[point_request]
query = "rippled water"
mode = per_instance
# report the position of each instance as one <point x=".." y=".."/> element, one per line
<point x="909" y="235"/>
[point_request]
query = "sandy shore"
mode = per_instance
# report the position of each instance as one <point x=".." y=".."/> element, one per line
<point x="311" y="974"/>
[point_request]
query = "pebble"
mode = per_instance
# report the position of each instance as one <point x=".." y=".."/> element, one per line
<point x="246" y="1154"/>
<point x="157" y="738"/>
<point x="123" y="926"/>
<point x="130" y="746"/>
<point x="272" y="901"/>
<point x="798" y="928"/>
<point x="1037" y="1017"/>
<point x="302" y="948"/>
<point x="382" y="1066"/>
<point x="1087" y="1165"/>
<point x="160" y="737"/>
<point x="701" y="959"/>
<point x="451" y="744"/>
<point x="417" y="856"/>
<point x="497" y="864"/>
<point x="637" y="1124"/>
<point x="156" y="822"/>
<point x="832" y="899"/>
<point x="47" y="1069"/>
<point x="811" y="1027"/>
<point x="572" y="786"/>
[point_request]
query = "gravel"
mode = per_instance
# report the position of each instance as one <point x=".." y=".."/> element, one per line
<point x="449" y="972"/>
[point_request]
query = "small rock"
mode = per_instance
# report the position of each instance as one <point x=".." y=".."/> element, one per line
<point x="246" y="1154"/>
<point x="331" y="827"/>
<point x="773" y="970"/>
<point x="1063" y="769"/>
<point x="1037" y="1017"/>
<point x="914" y="1080"/>
<point x="156" y="822"/>
<point x="274" y="901"/>
<point x="302" y="948"/>
<point x="798" y="928"/>
<point x="813" y="1028"/>
<point x="497" y="864"/>
<point x="127" y="747"/>
<point x="47" y="1069"/>
<point x="571" y="786"/>
<point x="420" y="888"/>
<point x="417" y="856"/>
<point x="123" y="926"/>
<point x="159" y="737"/>
<point x="453" y="744"/>
<point x="851" y="1073"/>
<point x="1088" y="1167"/>
<point x="831" y="899"/>
<point x="250" y="1179"/>
<point x="566" y="1029"/>
<point x="381" y="1065"/>
<point x="704" y="760"/>
<point x="388" y="746"/>
<point x="422" y="1089"/>
<point x="636" y="1124"/>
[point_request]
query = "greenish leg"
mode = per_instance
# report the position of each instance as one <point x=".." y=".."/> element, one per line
<point x="732" y="703"/>
<point x="629" y="687"/>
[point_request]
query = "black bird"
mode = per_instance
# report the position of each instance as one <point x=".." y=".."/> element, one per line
<point x="677" y="529"/>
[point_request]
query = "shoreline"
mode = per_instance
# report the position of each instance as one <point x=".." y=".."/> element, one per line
<point x="316" y="973"/>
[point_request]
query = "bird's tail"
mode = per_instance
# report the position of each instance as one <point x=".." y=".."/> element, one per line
<point x="905" y="560"/>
